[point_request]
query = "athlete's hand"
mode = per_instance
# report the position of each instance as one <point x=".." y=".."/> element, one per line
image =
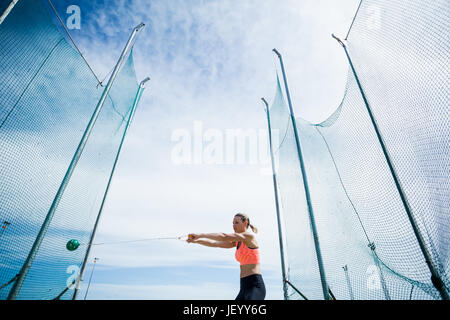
<point x="192" y="237"/>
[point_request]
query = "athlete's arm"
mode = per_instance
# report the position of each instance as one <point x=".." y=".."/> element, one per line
<point x="214" y="244"/>
<point x="226" y="244"/>
<point x="229" y="237"/>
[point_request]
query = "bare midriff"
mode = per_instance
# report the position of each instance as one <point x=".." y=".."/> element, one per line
<point x="249" y="269"/>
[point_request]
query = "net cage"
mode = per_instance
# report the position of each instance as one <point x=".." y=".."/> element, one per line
<point x="399" y="51"/>
<point x="48" y="94"/>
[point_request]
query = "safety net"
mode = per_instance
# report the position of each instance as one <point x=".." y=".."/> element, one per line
<point x="48" y="95"/>
<point x="366" y="243"/>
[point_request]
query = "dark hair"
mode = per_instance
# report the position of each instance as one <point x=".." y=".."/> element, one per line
<point x="244" y="218"/>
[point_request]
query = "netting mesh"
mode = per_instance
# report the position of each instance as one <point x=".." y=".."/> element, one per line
<point x="47" y="97"/>
<point x="400" y="53"/>
<point x="301" y="267"/>
<point x="3" y="5"/>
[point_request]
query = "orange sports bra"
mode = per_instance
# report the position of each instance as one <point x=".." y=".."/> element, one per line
<point x="246" y="255"/>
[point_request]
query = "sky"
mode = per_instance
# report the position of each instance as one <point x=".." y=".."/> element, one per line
<point x="210" y="62"/>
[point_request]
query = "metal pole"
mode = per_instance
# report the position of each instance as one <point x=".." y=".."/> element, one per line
<point x="435" y="277"/>
<point x="64" y="291"/>
<point x="8" y="10"/>
<point x="40" y="237"/>
<point x="410" y="294"/>
<point x="332" y="297"/>
<point x="90" y="278"/>
<point x="325" y="290"/>
<point x="91" y="240"/>
<point x="349" y="285"/>
<point x="277" y="206"/>
<point x="296" y="290"/>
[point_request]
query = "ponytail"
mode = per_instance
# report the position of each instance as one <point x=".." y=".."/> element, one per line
<point x="254" y="229"/>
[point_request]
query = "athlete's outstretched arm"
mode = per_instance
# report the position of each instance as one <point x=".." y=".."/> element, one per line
<point x="214" y="244"/>
<point x="230" y="237"/>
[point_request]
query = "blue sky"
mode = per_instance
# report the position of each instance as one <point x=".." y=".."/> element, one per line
<point x="210" y="62"/>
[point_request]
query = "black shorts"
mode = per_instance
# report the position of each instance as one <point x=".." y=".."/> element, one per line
<point x="252" y="288"/>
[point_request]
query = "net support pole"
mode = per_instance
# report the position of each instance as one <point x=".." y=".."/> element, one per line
<point x="91" y="240"/>
<point x="277" y="203"/>
<point x="13" y="294"/>
<point x="90" y="278"/>
<point x="8" y="10"/>
<point x="325" y="288"/>
<point x="296" y="290"/>
<point x="349" y="285"/>
<point x="435" y="277"/>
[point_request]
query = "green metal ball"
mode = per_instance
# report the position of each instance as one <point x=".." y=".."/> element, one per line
<point x="72" y="245"/>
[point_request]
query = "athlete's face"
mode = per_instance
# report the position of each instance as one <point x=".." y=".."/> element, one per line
<point x="238" y="225"/>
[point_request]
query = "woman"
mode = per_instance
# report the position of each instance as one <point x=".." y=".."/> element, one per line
<point x="247" y="254"/>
